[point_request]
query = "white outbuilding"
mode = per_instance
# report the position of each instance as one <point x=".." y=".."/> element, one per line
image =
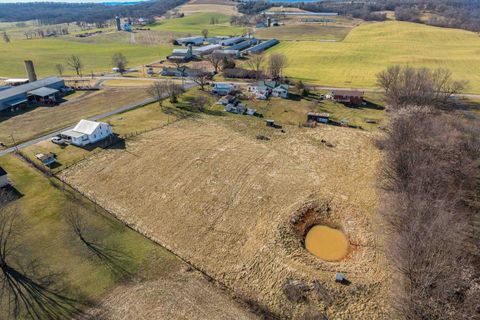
<point x="86" y="132"/>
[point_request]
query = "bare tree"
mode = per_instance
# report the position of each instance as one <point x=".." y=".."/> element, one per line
<point x="410" y="86"/>
<point x="22" y="291"/>
<point x="75" y="63"/>
<point x="119" y="61"/>
<point x="160" y="90"/>
<point x="276" y="64"/>
<point x="199" y="103"/>
<point x="215" y="60"/>
<point x="256" y="63"/>
<point x="201" y="77"/>
<point x="6" y="38"/>
<point x="59" y="67"/>
<point x="205" y="33"/>
<point x="428" y="207"/>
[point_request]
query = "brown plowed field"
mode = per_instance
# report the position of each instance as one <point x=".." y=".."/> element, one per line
<point x="238" y="207"/>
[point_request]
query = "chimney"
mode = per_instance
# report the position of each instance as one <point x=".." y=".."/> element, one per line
<point x="30" y="71"/>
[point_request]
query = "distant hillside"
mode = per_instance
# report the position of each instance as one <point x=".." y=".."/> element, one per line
<point x="50" y="13"/>
<point x="463" y="14"/>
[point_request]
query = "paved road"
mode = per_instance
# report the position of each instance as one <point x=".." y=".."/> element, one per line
<point x="187" y="86"/>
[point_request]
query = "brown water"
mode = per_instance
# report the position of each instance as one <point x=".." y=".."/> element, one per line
<point x="326" y="243"/>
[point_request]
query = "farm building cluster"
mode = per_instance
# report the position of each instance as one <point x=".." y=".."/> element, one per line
<point x="18" y="93"/>
<point x="261" y="90"/>
<point x="231" y="47"/>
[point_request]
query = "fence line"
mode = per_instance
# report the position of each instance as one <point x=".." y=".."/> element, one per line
<point x="119" y="138"/>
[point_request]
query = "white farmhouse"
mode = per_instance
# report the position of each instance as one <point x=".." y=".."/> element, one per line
<point x="280" y="91"/>
<point x="86" y="132"/>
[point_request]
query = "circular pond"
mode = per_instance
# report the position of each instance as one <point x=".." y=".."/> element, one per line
<point x="326" y="243"/>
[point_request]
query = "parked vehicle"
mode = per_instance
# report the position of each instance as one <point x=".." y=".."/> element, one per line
<point x="58" y="140"/>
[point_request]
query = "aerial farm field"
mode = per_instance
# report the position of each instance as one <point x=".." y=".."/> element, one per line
<point x="208" y="6"/>
<point x="304" y="32"/>
<point x="96" y="57"/>
<point x="41" y="120"/>
<point x="244" y="206"/>
<point x="371" y="47"/>
<point x="195" y="23"/>
<point x="119" y="258"/>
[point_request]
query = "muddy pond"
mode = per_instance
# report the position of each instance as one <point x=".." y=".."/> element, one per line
<point x="326" y="243"/>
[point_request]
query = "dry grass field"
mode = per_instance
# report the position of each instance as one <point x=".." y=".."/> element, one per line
<point x="207" y="6"/>
<point x="238" y="207"/>
<point x="129" y="267"/>
<point x="181" y="294"/>
<point x="32" y="123"/>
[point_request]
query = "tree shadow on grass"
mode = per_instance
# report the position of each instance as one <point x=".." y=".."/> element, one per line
<point x="37" y="300"/>
<point x="113" y="259"/>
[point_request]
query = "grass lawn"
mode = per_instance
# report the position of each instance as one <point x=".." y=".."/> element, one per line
<point x="152" y="116"/>
<point x="372" y="47"/>
<point x="47" y="237"/>
<point x="294" y="111"/>
<point x="137" y="120"/>
<point x="31" y="123"/>
<point x="302" y="32"/>
<point x="195" y="23"/>
<point x="96" y="57"/>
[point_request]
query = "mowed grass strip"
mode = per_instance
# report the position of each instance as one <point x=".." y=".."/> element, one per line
<point x="370" y="48"/>
<point x="47" y="238"/>
<point x="96" y="57"/>
<point x="195" y="23"/>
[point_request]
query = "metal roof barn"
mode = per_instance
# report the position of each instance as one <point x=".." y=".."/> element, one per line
<point x="19" y="94"/>
<point x="244" y="44"/>
<point x="263" y="46"/>
<point x="201" y="51"/>
<point x="231" y="41"/>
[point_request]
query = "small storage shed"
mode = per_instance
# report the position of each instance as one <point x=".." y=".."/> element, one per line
<point x="318" y="117"/>
<point x="46" y="158"/>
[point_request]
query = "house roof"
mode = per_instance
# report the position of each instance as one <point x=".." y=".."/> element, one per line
<point x="45" y="82"/>
<point x="73" y="134"/>
<point x="348" y="93"/>
<point x="282" y="86"/>
<point x="219" y="85"/>
<point x="17" y="101"/>
<point x="86" y="126"/>
<point x="267" y="83"/>
<point x="321" y="115"/>
<point x="2" y="171"/>
<point x="43" y="92"/>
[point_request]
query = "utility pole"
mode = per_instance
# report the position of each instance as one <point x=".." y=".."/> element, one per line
<point x="14" y="143"/>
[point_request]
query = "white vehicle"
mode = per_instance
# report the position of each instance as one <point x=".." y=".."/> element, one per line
<point x="58" y="140"/>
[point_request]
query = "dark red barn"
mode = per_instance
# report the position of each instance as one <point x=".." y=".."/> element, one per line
<point x="349" y="96"/>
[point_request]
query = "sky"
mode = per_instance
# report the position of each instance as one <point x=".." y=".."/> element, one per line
<point x="72" y="1"/>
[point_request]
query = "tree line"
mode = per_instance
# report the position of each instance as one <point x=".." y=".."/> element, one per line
<point x="463" y="14"/>
<point x="55" y="13"/>
<point x="430" y="190"/>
